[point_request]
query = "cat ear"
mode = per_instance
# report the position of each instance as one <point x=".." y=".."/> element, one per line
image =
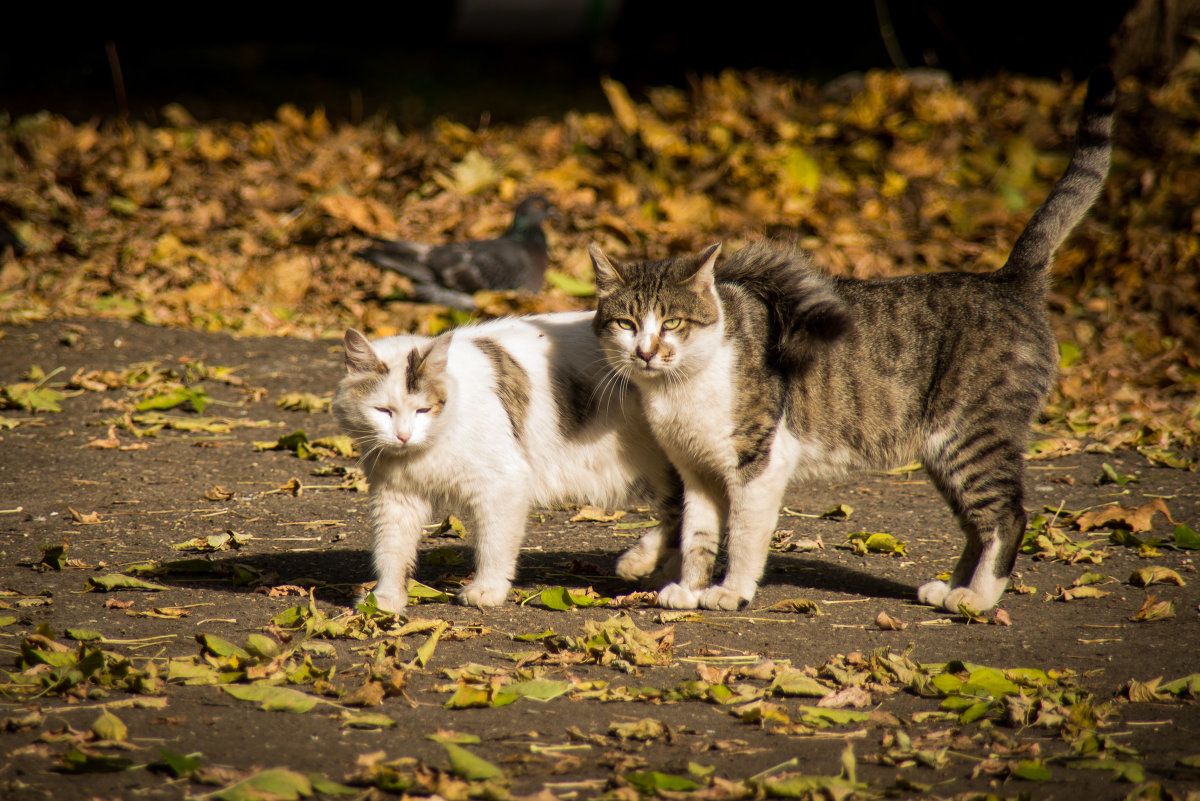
<point x="437" y="355"/>
<point x="360" y="356"/>
<point x="701" y="280"/>
<point x="607" y="274"/>
<point x="428" y="360"/>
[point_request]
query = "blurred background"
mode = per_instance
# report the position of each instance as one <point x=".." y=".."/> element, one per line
<point x="506" y="60"/>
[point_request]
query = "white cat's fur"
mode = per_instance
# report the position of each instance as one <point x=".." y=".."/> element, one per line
<point x="459" y="444"/>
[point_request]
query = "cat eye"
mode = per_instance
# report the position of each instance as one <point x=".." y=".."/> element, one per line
<point x="425" y="410"/>
<point x="672" y="324"/>
<point x="388" y="412"/>
<point x="627" y="325"/>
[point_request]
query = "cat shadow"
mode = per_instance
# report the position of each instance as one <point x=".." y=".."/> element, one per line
<point x="339" y="573"/>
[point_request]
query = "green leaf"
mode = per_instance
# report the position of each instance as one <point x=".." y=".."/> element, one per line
<point x="425" y="652"/>
<point x="177" y="765"/>
<point x="220" y="646"/>
<point x="109" y="727"/>
<point x="367" y="721"/>
<point x="418" y="592"/>
<point x="575" y="287"/>
<point x="840" y="512"/>
<point x="116" y="581"/>
<point x="274" y="699"/>
<point x="1186" y="538"/>
<point x="277" y="784"/>
<point x="32" y="397"/>
<point x="796" y="682"/>
<point x="1068" y="354"/>
<point x="1111" y="476"/>
<point x="83" y="635"/>
<point x="1156" y="574"/>
<point x="540" y="689"/>
<point x="54" y="556"/>
<point x="172" y="397"/>
<point x="340" y="444"/>
<point x="1031" y="770"/>
<point x="650" y="782"/>
<point x="797" y="786"/>
<point x="467" y="766"/>
<point x="79" y="761"/>
<point x="562" y="599"/>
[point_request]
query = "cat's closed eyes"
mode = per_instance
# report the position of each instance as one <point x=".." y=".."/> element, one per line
<point x="491" y="419"/>
<point x="763" y="370"/>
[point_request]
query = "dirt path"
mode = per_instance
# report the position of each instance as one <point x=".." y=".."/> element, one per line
<point x="581" y="702"/>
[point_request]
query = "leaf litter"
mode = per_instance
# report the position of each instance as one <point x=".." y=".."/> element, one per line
<point x="1128" y="376"/>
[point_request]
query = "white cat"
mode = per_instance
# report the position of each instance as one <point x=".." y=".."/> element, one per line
<point x="495" y="418"/>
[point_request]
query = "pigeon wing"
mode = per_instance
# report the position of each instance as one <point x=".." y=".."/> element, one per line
<point x="406" y="258"/>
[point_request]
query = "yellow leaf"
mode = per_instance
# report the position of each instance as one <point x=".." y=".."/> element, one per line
<point x="622" y="105"/>
<point x="366" y="214"/>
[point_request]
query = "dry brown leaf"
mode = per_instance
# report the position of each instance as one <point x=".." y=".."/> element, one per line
<point x="87" y="519"/>
<point x="1135" y="519"/>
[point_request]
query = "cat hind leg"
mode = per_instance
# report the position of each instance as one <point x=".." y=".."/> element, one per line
<point x="656" y="554"/>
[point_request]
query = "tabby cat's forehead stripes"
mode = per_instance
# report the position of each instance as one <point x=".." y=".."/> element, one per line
<point x="513" y="386"/>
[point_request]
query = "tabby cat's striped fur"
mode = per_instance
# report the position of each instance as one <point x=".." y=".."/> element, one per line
<point x="768" y="371"/>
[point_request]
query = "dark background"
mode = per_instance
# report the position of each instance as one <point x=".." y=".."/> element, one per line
<point x="503" y="60"/>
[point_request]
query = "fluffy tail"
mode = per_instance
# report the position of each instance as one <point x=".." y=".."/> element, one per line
<point x="805" y="308"/>
<point x="1075" y="191"/>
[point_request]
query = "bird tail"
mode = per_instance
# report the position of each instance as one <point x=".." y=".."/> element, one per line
<point x="402" y="257"/>
<point x="1075" y="191"/>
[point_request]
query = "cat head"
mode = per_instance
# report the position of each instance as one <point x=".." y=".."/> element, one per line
<point x="394" y="393"/>
<point x="656" y="318"/>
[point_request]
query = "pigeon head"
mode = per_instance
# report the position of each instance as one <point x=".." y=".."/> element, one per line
<point x="530" y="213"/>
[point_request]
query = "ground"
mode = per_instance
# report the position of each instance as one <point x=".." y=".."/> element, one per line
<point x="698" y="686"/>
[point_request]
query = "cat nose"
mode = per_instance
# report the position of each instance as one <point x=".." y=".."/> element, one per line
<point x="403" y="437"/>
<point x="645" y="355"/>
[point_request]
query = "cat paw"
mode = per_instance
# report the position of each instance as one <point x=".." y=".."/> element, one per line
<point x="933" y="593"/>
<point x="961" y="598"/>
<point x="391" y="601"/>
<point x="636" y="563"/>
<point x="721" y="597"/>
<point x="477" y="594"/>
<point x="677" y="596"/>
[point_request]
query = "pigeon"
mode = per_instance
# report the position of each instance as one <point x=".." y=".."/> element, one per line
<point x="450" y="274"/>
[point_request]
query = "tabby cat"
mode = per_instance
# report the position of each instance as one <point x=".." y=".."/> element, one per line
<point x="494" y="418"/>
<point x="770" y="371"/>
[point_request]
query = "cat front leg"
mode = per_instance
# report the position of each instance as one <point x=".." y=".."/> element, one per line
<point x="500" y="528"/>
<point x="753" y="511"/>
<point x="397" y="517"/>
<point x="700" y="535"/>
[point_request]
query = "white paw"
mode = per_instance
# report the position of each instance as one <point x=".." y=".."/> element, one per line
<point x="478" y="594"/>
<point x="677" y="596"/>
<point x="390" y="601"/>
<point x="933" y="593"/>
<point x="635" y="563"/>
<point x="722" y="597"/>
<point x="961" y="597"/>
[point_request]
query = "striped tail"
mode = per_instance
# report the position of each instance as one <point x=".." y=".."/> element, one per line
<point x="1075" y="191"/>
